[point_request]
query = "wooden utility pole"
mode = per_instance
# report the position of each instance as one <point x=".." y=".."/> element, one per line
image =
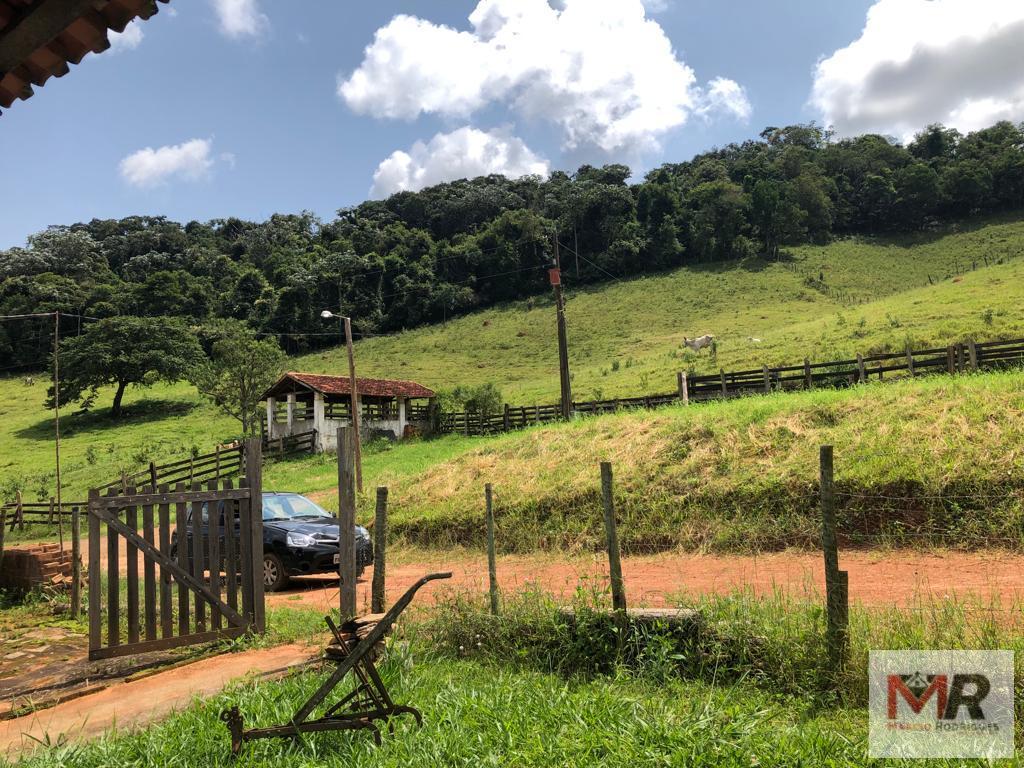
<point x="355" y="402"/>
<point x="555" y="275"/>
<point x="347" y="522"/>
<point x="56" y="404"/>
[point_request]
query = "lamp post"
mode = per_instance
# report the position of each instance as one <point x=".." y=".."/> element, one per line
<point x="346" y="323"/>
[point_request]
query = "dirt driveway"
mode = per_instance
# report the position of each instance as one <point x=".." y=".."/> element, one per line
<point x="876" y="578"/>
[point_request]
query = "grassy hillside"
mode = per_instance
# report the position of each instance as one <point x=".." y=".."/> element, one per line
<point x="624" y="339"/>
<point x="944" y="456"/>
<point x="625" y="336"/>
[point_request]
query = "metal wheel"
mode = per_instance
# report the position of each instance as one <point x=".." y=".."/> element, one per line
<point x="275" y="577"/>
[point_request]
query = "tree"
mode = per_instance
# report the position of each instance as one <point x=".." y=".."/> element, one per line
<point x="919" y="193"/>
<point x="239" y="369"/>
<point x="119" y="351"/>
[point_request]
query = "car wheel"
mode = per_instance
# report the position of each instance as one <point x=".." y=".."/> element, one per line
<point x="275" y="577"/>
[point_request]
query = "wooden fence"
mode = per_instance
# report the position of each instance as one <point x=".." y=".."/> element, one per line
<point x="955" y="358"/>
<point x="302" y="442"/>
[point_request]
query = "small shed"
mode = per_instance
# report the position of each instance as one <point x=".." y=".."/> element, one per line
<point x="300" y="402"/>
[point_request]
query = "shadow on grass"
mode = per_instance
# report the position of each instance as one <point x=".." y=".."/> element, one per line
<point x="138" y="412"/>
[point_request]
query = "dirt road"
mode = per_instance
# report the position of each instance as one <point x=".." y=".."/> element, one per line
<point x="876" y="578"/>
<point x="131" y="705"/>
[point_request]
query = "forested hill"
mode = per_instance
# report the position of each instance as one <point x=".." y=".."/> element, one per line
<point x="419" y="257"/>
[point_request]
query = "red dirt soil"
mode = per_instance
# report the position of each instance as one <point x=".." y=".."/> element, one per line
<point x="890" y="578"/>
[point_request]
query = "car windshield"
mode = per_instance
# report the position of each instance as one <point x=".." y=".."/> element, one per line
<point x="291" y="507"/>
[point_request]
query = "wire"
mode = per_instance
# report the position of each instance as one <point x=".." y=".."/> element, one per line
<point x="596" y="266"/>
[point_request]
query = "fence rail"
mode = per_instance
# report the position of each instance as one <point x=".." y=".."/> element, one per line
<point x="955" y="358"/>
<point x="302" y="441"/>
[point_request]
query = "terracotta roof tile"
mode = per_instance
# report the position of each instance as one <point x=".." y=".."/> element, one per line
<point x="339" y="385"/>
<point x="43" y="38"/>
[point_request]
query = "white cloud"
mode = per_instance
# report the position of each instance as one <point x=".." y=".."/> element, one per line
<point x="150" y="167"/>
<point x="600" y="70"/>
<point x="656" y="6"/>
<point x="724" y="96"/>
<point x="917" y="62"/>
<point x="463" y="153"/>
<point x="241" y="18"/>
<point x="128" y="40"/>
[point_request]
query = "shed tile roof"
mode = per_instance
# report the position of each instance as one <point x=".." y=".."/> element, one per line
<point x="39" y="39"/>
<point x="339" y="385"/>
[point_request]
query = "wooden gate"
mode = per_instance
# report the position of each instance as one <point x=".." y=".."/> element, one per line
<point x="201" y="552"/>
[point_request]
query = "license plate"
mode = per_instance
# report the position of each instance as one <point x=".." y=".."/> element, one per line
<point x="337" y="559"/>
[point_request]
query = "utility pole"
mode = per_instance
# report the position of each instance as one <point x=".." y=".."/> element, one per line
<point x="56" y="400"/>
<point x="355" y="403"/>
<point x="555" y="275"/>
<point x="346" y="323"/>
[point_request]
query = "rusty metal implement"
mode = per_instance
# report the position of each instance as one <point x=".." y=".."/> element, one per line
<point x="367" y="702"/>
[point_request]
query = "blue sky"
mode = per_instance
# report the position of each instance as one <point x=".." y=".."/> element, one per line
<point x="254" y="86"/>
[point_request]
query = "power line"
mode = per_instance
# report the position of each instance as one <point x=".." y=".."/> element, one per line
<point x="596" y="266"/>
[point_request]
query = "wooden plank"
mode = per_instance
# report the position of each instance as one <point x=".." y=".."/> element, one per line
<point x="195" y="528"/>
<point x="113" y="586"/>
<point x="131" y="574"/>
<point x="149" y="575"/>
<point x="213" y="528"/>
<point x="95" y="606"/>
<point x="196" y="585"/>
<point x="230" y="548"/>
<point x="166" y="607"/>
<point x="181" y="527"/>
<point x="380" y="540"/>
<point x="196" y="495"/>
<point x="169" y="642"/>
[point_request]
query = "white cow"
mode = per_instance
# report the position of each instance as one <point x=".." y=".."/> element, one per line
<point x="707" y="340"/>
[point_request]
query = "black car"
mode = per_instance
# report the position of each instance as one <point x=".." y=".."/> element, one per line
<point x="299" y="538"/>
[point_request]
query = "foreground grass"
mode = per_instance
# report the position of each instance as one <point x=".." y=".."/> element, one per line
<point x="479" y="714"/>
<point x="746" y="685"/>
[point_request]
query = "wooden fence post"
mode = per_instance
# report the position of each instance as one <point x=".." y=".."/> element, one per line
<point x="60" y="524"/>
<point x="684" y="388"/>
<point x="950" y="360"/>
<point x="767" y="379"/>
<point x="961" y="363"/>
<point x="380" y="522"/>
<point x="910" y="361"/>
<point x="3" y="523"/>
<point x="19" y="513"/>
<point x="836" y="581"/>
<point x="972" y="351"/>
<point x="721" y="373"/>
<point x="808" y="381"/>
<point x="76" y="564"/>
<point x="152" y="475"/>
<point x="611" y="534"/>
<point x="507" y="417"/>
<point x="347" y="518"/>
<point x="492" y="562"/>
<point x="253" y="452"/>
<point x="861" y="371"/>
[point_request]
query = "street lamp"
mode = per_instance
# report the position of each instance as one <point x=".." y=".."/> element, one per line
<point x="347" y="326"/>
